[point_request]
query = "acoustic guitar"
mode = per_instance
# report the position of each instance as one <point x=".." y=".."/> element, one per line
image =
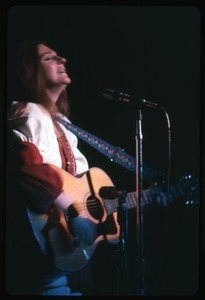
<point x="52" y="230"/>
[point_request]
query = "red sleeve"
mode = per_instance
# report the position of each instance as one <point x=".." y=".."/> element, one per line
<point x="39" y="181"/>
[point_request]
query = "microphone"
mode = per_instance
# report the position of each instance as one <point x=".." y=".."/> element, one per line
<point x="112" y="94"/>
<point x="108" y="192"/>
<point x="149" y="103"/>
<point x="115" y="95"/>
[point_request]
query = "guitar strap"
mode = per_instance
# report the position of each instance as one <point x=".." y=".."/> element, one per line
<point x="115" y="154"/>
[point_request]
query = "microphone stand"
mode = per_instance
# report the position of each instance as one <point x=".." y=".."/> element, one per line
<point x="139" y="210"/>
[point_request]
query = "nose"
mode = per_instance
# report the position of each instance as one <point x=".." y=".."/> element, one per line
<point x="61" y="60"/>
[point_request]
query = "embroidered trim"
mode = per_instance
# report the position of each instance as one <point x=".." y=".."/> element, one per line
<point x="66" y="150"/>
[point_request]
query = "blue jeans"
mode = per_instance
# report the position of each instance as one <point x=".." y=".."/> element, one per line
<point x="58" y="287"/>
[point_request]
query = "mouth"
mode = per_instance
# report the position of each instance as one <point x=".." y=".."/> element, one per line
<point x="62" y="71"/>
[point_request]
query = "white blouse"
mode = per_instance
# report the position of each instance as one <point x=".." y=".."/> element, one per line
<point x="36" y="126"/>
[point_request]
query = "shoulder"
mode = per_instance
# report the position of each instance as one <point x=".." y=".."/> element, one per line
<point x="36" y="110"/>
<point x="32" y="111"/>
<point x="33" y="124"/>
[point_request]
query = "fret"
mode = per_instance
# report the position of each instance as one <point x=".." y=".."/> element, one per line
<point x="130" y="201"/>
<point x="147" y="196"/>
<point x="114" y="204"/>
<point x="107" y="206"/>
<point x="110" y="205"/>
<point x="134" y="199"/>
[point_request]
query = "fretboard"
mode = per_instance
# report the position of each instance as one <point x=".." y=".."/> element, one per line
<point x="147" y="198"/>
<point x="130" y="201"/>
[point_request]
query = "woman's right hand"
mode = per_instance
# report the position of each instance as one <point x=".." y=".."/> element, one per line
<point x="84" y="231"/>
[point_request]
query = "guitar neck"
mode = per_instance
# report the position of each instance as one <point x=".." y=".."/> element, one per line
<point x="130" y="201"/>
<point x="177" y="190"/>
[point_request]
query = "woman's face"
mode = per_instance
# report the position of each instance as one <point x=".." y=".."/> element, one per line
<point x="53" y="67"/>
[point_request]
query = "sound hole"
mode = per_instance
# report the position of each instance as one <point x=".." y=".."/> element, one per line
<point x="95" y="207"/>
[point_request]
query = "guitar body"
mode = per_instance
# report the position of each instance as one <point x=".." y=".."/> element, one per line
<point x="52" y="230"/>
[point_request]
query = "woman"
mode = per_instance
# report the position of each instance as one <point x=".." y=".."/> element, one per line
<point x="36" y="141"/>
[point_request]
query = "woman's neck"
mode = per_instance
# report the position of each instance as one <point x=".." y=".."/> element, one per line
<point x="51" y="97"/>
<point x="54" y="92"/>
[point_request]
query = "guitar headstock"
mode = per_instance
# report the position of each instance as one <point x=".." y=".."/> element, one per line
<point x="187" y="190"/>
<point x="190" y="186"/>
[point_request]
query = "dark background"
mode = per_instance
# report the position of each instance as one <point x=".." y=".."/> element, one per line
<point x="151" y="52"/>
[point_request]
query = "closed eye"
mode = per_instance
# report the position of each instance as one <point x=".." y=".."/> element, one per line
<point x="47" y="58"/>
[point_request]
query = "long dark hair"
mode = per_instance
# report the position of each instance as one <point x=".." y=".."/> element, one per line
<point x="31" y="80"/>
